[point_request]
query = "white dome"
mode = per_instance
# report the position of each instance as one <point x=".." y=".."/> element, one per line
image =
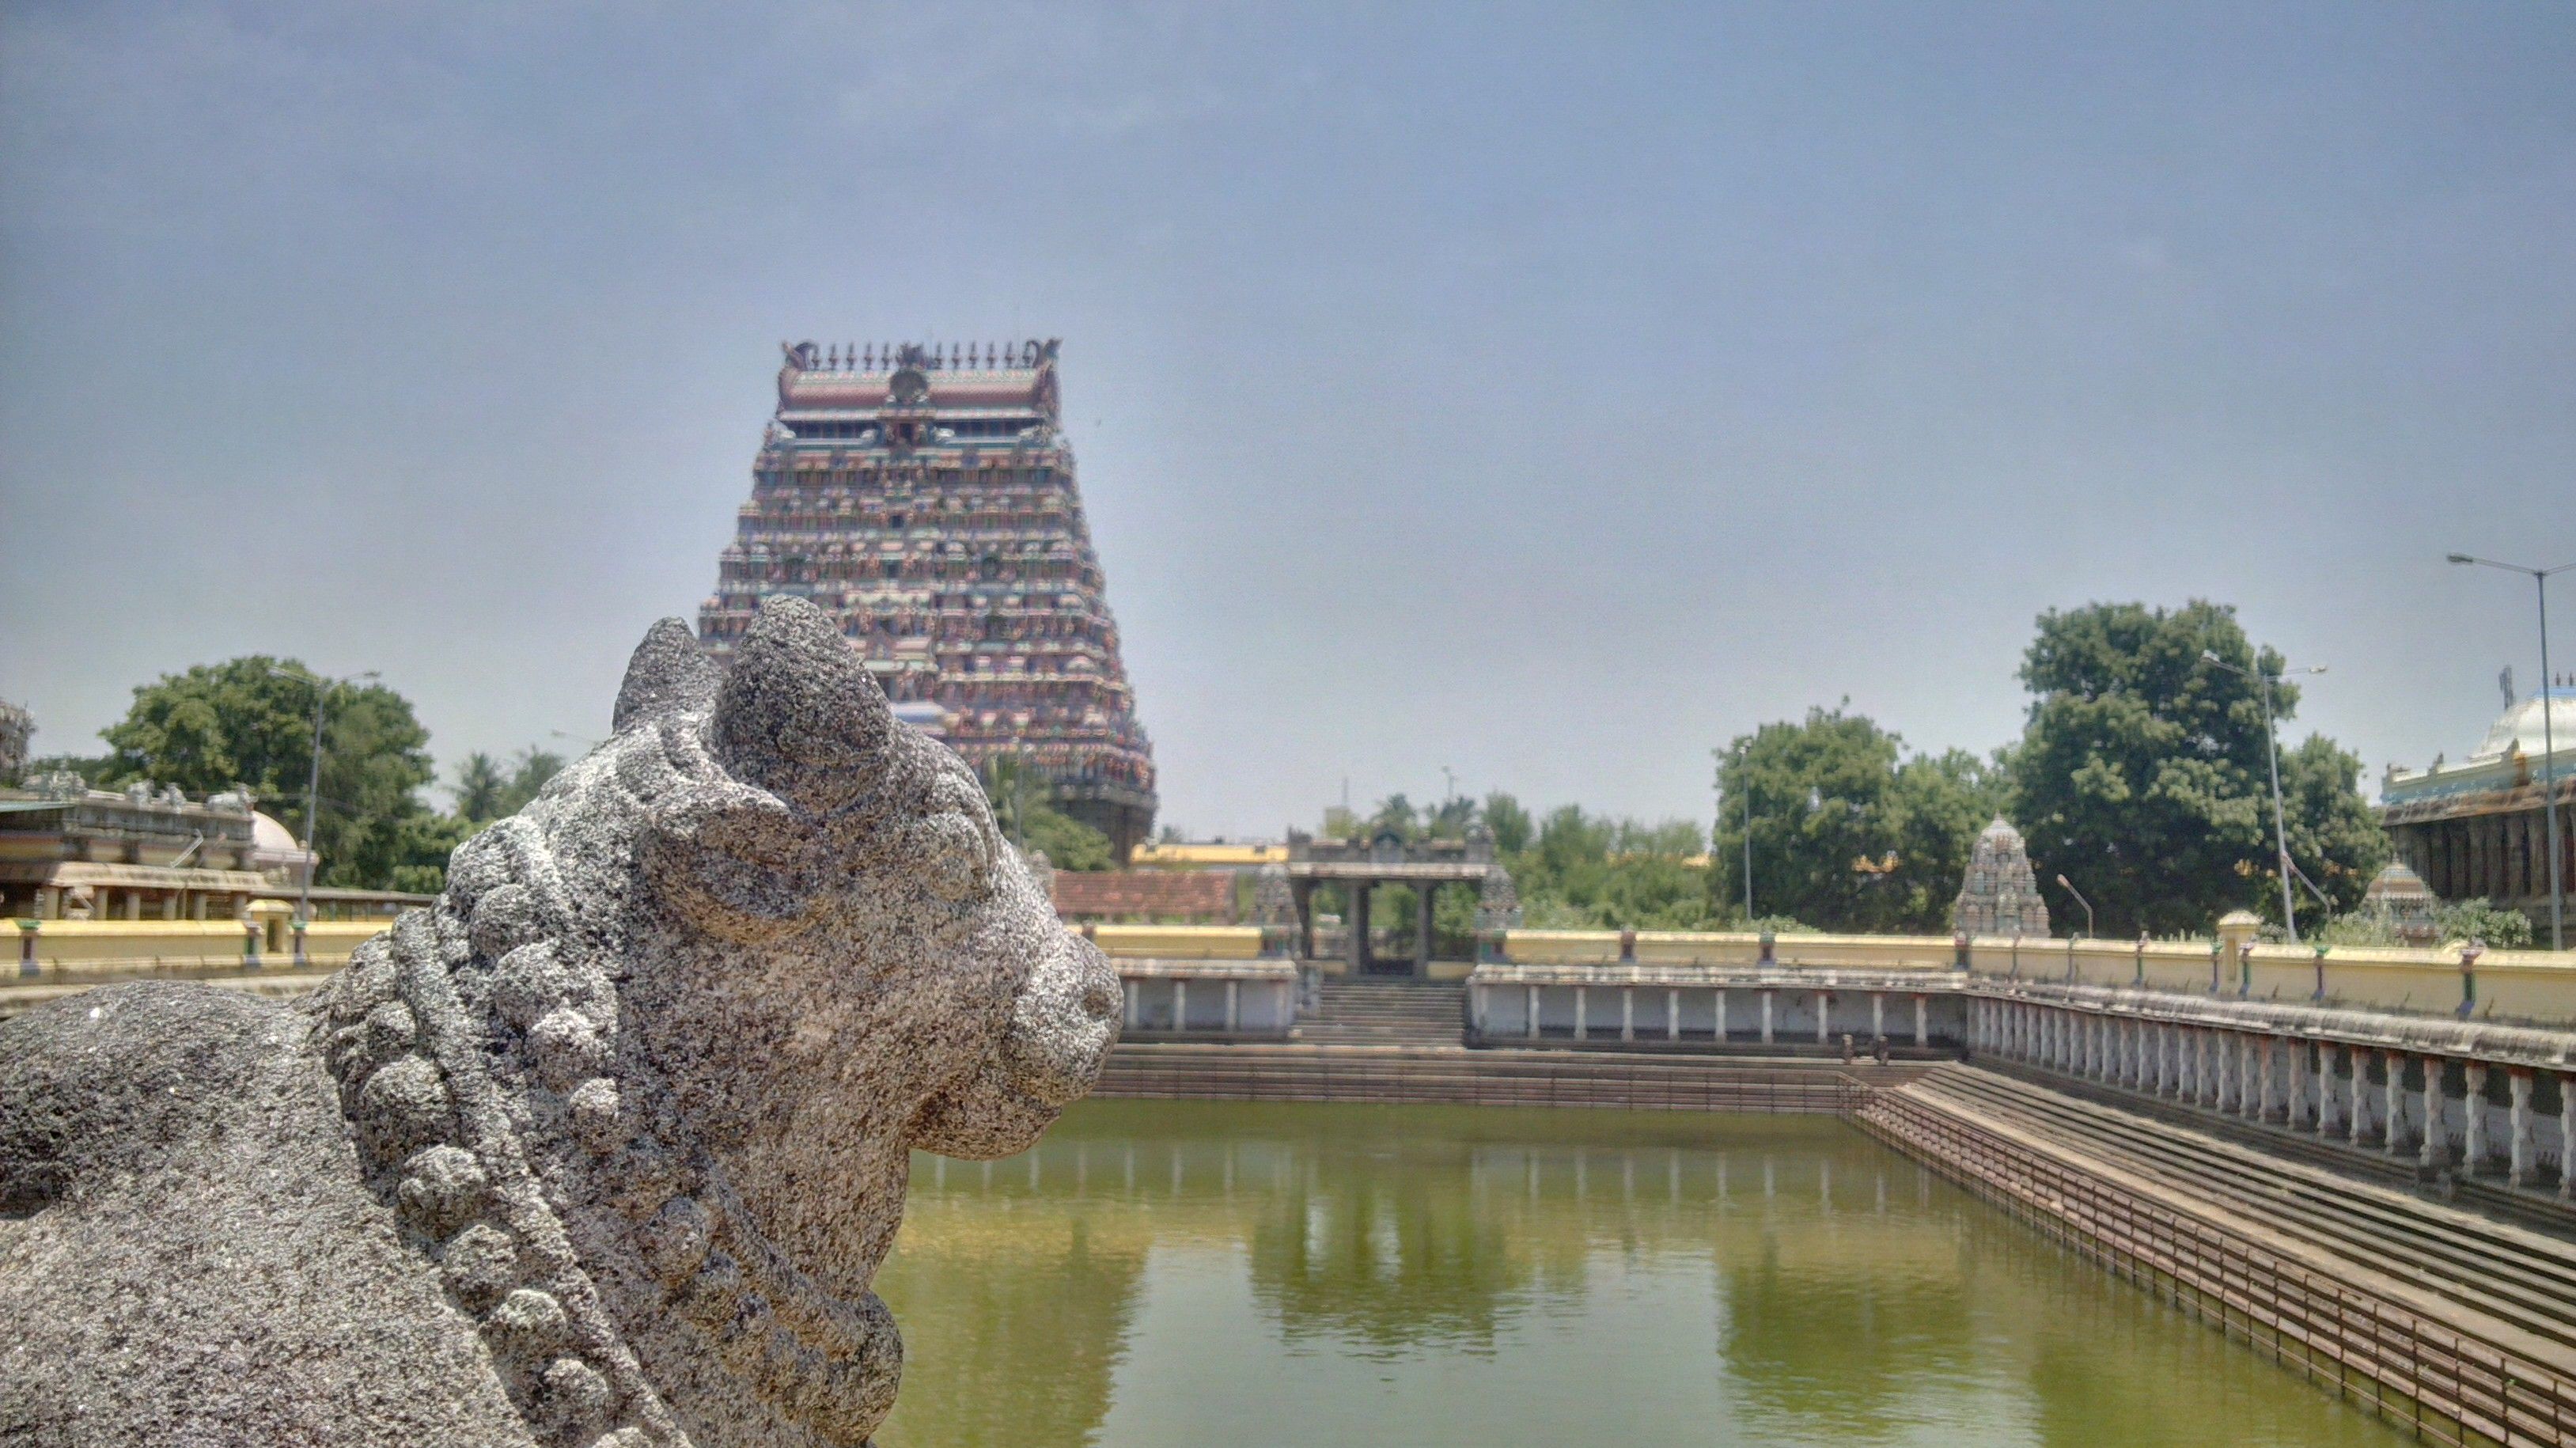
<point x="2520" y="726"/>
<point x="269" y="837"/>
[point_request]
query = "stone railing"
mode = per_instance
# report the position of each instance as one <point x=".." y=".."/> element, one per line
<point x="2537" y="987"/>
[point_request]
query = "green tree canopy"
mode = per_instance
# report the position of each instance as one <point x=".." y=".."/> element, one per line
<point x="1509" y="821"/>
<point x="481" y="784"/>
<point x="1589" y="871"/>
<point x="2142" y="773"/>
<point x="249" y="722"/>
<point x="1848" y="833"/>
<point x="488" y="790"/>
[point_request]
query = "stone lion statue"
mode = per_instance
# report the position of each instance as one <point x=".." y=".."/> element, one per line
<point x="602" y="1150"/>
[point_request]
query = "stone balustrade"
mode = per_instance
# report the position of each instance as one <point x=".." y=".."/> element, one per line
<point x="2527" y="986"/>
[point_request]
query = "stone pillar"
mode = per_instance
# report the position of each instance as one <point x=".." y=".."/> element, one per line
<point x="2265" y="1086"/>
<point x="1627" y="1013"/>
<point x="2473" y="1102"/>
<point x="1717" y="1014"/>
<point x="2566" y="1137"/>
<point x="2358" y="1126"/>
<point x="1233" y="1006"/>
<point x="2436" y="1149"/>
<point x="2294" y="1110"/>
<point x="2226" y="1047"/>
<point x="1766" y="1018"/>
<point x="1180" y="1005"/>
<point x="1672" y="1014"/>
<point x="2204" y="1082"/>
<point x="1358" y="926"/>
<point x="1582" y="1027"/>
<point x="1922" y="1025"/>
<point x="1533" y="1013"/>
<point x="1424" y="893"/>
<point x="1132" y="1021"/>
<point x="1877" y="1014"/>
<point x="2393" y="1137"/>
<point x="1824" y="1009"/>
<point x="2328" y="1116"/>
<point x="2522" y="1130"/>
<point x="1302" y="893"/>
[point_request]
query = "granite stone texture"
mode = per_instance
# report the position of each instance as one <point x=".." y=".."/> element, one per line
<point x="603" y="1150"/>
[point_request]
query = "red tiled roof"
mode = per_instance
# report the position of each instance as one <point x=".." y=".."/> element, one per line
<point x="1166" y="894"/>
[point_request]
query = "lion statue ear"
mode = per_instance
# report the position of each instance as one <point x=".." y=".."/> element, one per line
<point x="798" y="714"/>
<point x="669" y="674"/>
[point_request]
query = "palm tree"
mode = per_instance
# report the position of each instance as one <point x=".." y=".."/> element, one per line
<point x="1017" y="792"/>
<point x="480" y="787"/>
<point x="529" y="774"/>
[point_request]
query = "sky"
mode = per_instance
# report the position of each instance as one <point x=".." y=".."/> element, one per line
<point x="1529" y="397"/>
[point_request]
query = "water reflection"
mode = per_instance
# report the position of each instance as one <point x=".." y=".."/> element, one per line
<point x="1174" y="1272"/>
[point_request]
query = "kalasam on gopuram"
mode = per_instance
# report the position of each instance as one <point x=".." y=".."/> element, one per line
<point x="602" y="1150"/>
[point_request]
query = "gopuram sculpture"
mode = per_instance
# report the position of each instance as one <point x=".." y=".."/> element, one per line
<point x="2000" y="894"/>
<point x="603" y="1150"/>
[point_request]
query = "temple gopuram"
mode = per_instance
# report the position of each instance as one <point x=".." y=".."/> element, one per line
<point x="925" y="496"/>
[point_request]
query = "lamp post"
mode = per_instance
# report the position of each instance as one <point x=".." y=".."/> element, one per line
<point x="2548" y="743"/>
<point x="1746" y="789"/>
<point x="322" y="688"/>
<point x="2069" y="886"/>
<point x="2272" y="752"/>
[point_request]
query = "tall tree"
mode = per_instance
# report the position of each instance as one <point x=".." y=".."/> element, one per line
<point x="528" y="774"/>
<point x="480" y="787"/>
<point x="1847" y="832"/>
<point x="2142" y="773"/>
<point x="1509" y="821"/>
<point x="249" y="722"/>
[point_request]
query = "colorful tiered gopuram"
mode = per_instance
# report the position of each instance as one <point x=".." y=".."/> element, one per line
<point x="925" y="496"/>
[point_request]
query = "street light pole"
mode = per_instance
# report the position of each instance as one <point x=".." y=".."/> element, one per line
<point x="1743" y="765"/>
<point x="312" y="811"/>
<point x="2272" y="752"/>
<point x="2548" y="745"/>
<point x="2080" y="900"/>
<point x="313" y="781"/>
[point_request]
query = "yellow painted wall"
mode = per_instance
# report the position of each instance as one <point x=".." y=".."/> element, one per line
<point x="1185" y="856"/>
<point x="2517" y="985"/>
<point x="113" y="949"/>
<point x="1180" y="942"/>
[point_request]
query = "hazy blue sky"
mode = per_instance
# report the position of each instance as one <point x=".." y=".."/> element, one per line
<point x="1546" y="394"/>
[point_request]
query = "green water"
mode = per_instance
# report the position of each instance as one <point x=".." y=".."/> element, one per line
<point x="1163" y="1273"/>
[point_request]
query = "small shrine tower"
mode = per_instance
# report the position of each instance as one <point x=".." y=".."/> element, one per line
<point x="2000" y="895"/>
